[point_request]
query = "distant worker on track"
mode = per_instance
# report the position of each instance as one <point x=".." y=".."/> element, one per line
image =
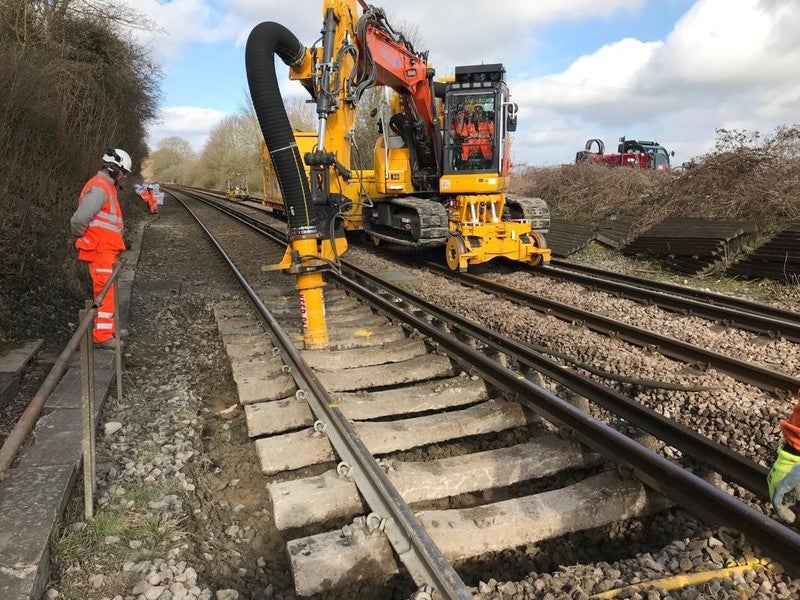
<point x="784" y="477"/>
<point x="97" y="224"/>
<point x="149" y="196"/>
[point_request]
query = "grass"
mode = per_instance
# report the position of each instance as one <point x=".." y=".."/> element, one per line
<point x="763" y="290"/>
<point x="76" y="544"/>
<point x="141" y="415"/>
<point x="141" y="494"/>
<point x="102" y="546"/>
<point x="106" y="540"/>
<point x="599" y="254"/>
<point x="148" y="450"/>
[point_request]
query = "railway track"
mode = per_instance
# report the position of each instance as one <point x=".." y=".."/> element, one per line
<point x="747" y="372"/>
<point x="417" y="377"/>
<point x="730" y="311"/>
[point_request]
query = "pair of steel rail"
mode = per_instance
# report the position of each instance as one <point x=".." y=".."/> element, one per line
<point x="411" y="542"/>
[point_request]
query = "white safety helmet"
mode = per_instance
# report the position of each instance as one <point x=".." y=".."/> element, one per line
<point x="118" y="157"/>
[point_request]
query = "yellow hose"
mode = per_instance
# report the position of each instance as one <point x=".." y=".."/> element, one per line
<point x="675" y="582"/>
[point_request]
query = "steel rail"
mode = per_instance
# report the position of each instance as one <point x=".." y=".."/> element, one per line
<point x="740" y="370"/>
<point x="655" y="471"/>
<point x="731" y="315"/>
<point x="714" y="298"/>
<point x="736" y="467"/>
<point x="411" y="542"/>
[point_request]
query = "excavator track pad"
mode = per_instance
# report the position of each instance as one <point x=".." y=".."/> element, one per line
<point x="534" y="210"/>
<point x="409" y="221"/>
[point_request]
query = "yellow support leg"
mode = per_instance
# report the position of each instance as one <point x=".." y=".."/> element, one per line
<point x="307" y="257"/>
<point x="312" y="303"/>
<point x="312" y="310"/>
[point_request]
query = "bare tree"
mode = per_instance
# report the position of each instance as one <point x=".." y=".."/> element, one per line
<point x="302" y="115"/>
<point x="169" y="162"/>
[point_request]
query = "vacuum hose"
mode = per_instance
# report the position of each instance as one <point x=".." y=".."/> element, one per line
<point x="266" y="40"/>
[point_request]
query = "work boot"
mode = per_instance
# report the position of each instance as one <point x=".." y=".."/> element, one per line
<point x="107" y="345"/>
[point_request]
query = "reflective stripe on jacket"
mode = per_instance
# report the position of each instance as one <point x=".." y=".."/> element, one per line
<point x="104" y="232"/>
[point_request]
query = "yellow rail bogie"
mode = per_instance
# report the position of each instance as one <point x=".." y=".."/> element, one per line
<point x="479" y="234"/>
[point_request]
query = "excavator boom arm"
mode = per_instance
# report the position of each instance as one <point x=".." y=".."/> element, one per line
<point x="359" y="53"/>
<point x="402" y="70"/>
<point x="440" y="162"/>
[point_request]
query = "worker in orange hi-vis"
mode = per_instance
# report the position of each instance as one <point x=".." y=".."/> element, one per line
<point x="784" y="477"/>
<point x="149" y="196"/>
<point x="97" y="226"/>
<point x="478" y="132"/>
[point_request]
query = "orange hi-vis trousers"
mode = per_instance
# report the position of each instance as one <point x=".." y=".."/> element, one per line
<point x="100" y="269"/>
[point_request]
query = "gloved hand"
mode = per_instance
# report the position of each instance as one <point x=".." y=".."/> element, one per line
<point x="784" y="483"/>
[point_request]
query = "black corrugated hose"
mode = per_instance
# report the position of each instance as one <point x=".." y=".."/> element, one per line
<point x="266" y="40"/>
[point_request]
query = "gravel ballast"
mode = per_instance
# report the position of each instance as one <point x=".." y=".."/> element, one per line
<point x="183" y="504"/>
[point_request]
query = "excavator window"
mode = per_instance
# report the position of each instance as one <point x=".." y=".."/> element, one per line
<point x="471" y="141"/>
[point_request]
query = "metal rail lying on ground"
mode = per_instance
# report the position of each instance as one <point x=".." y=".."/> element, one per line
<point x="743" y="314"/>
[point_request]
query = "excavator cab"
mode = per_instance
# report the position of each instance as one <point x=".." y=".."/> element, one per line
<point x="471" y="141"/>
<point x="484" y="222"/>
<point x="477" y="120"/>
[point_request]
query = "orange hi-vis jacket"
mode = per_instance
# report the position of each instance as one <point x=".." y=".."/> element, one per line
<point x="104" y="233"/>
<point x="150" y="197"/>
<point x="479" y="139"/>
<point x="791" y="427"/>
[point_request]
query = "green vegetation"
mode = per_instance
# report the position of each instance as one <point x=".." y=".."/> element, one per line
<point x="114" y="528"/>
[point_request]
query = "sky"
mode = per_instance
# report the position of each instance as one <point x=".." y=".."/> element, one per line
<point x="672" y="71"/>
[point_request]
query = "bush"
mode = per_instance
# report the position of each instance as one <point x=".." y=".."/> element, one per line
<point x="747" y="177"/>
<point x="72" y="87"/>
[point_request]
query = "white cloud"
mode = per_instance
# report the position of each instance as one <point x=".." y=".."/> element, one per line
<point x="725" y="64"/>
<point x="463" y="32"/>
<point x="191" y="123"/>
<point x="476" y="31"/>
<point x="724" y="44"/>
<point x="178" y="23"/>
